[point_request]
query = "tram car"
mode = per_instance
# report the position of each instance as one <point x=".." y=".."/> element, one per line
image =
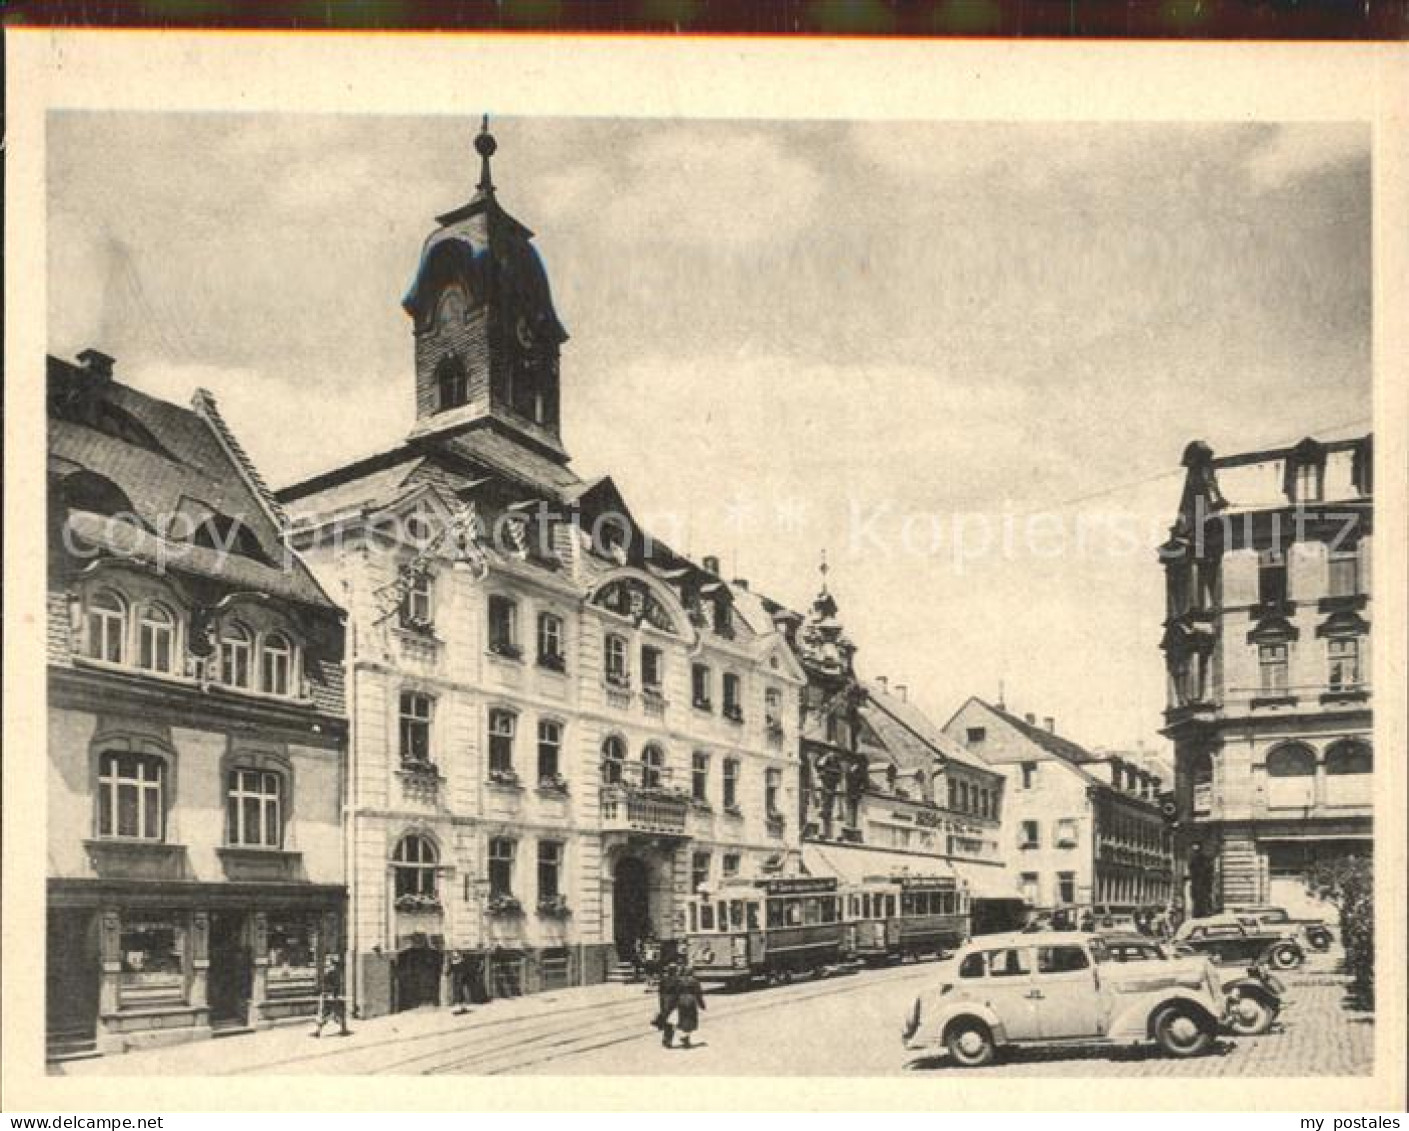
<point x="907" y="916"/>
<point x="768" y="930"/>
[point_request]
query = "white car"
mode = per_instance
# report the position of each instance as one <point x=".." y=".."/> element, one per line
<point x="1061" y="988"/>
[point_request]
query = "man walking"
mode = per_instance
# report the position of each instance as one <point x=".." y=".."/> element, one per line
<point x="665" y="1002"/>
<point x="331" y="1003"/>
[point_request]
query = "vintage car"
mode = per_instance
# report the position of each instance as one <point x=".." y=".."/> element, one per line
<point x="1317" y="932"/>
<point x="1234" y="939"/>
<point x="1254" y="997"/>
<point x="1042" y="988"/>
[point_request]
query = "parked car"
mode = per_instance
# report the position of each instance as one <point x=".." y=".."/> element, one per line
<point x="1317" y="932"/>
<point x="1062" y="988"/>
<point x="1253" y="997"/>
<point x="1229" y="939"/>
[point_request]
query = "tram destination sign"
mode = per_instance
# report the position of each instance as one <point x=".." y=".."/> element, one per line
<point x="797" y="885"/>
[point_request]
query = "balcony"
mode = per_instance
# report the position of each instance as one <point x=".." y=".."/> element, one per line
<point x="636" y="809"/>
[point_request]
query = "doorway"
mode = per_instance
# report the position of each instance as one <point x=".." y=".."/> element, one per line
<point x="417" y="977"/>
<point x="631" y="904"/>
<point x="230" y="978"/>
<point x="73" y="976"/>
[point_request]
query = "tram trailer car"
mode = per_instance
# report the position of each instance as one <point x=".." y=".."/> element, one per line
<point x="772" y="930"/>
<point x="907" y="917"/>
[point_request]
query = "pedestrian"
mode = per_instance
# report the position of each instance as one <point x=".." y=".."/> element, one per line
<point x="459" y="982"/>
<point x="666" y="1004"/>
<point x="331" y="1003"/>
<point x="689" y="1000"/>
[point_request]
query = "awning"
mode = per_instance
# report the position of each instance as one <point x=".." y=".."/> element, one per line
<point x="857" y="865"/>
<point x="986" y="881"/>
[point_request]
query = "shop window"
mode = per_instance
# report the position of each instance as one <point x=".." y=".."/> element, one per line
<point x="613" y="760"/>
<point x="506" y="975"/>
<point x="236" y="655"/>
<point x="156" y="638"/>
<point x="293" y="958"/>
<point x="131" y="796"/>
<point x="107" y="627"/>
<point x="276" y="665"/>
<point x="253" y="809"/>
<point x="414" y="867"/>
<point x="416" y="710"/>
<point x="152" y="956"/>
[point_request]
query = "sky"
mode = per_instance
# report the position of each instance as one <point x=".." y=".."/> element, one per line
<point x="962" y="359"/>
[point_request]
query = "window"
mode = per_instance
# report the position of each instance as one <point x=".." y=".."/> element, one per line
<point x="1029" y="835"/>
<point x="504" y="627"/>
<point x="236" y="655"/>
<point x="772" y="792"/>
<point x="652" y="766"/>
<point x="973" y="966"/>
<point x="1066" y="887"/>
<point x="773" y="708"/>
<point x="652" y="667"/>
<point x="1010" y="963"/>
<point x="1066" y="833"/>
<point x="1291" y="778"/>
<point x="1027" y="888"/>
<point x="1343" y="572"/>
<point x="451" y="383"/>
<point x="1061" y="959"/>
<point x="550" y="744"/>
<point x="699" y="776"/>
<point x="501" y="867"/>
<point x="613" y="759"/>
<point x="550" y="869"/>
<point x="973" y="736"/>
<point x="1343" y="654"/>
<point x="413" y="868"/>
<point x="963" y="797"/>
<point x="502" y="727"/>
<point x="700" y="686"/>
<point x="416" y="607"/>
<point x="130" y="796"/>
<point x="550" y="642"/>
<point x="252" y="809"/>
<point x="1308" y="483"/>
<point x="152" y="952"/>
<point x="731" y="864"/>
<point x="1029" y="774"/>
<point x="731" y="783"/>
<point x="699" y="870"/>
<point x="156" y="636"/>
<point x="276" y="664"/>
<point x="614" y="660"/>
<point x="1272" y="663"/>
<point x="1349" y="766"/>
<point x="733" y="705"/>
<point x="415" y="728"/>
<point x="1271" y="577"/>
<point x="107" y="627"/>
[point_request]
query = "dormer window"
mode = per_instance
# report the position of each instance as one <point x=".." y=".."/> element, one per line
<point x="417" y="607"/>
<point x="236" y="655"/>
<point x="451" y="383"/>
<point x="1307" y="483"/>
<point x="107" y="627"/>
<point x="276" y="665"/>
<point x="156" y="638"/>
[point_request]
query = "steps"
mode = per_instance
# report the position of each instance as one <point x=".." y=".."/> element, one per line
<point x="622" y="972"/>
<point x="73" y="1045"/>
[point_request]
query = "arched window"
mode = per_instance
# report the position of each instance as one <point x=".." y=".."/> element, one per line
<point x="1291" y="778"/>
<point x="1201" y="772"/>
<point x="1349" y="766"/>
<point x="652" y="766"/>
<point x="276" y="665"/>
<point x="254" y="808"/>
<point x="236" y="655"/>
<point x="131" y="801"/>
<point x="156" y="638"/>
<point x="451" y="383"/>
<point x="413" y="868"/>
<point x="613" y="758"/>
<point x="107" y="627"/>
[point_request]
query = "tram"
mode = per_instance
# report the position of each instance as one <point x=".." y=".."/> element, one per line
<point x="768" y="929"/>
<point x="906" y="916"/>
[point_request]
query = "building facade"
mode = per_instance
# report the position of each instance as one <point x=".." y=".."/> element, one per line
<point x="1081" y="829"/>
<point x="560" y="727"/>
<point x="1267" y="647"/>
<point x="196" y="730"/>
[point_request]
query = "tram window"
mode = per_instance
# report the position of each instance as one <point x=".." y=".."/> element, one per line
<point x="890" y="907"/>
<point x="693" y="928"/>
<point x="736" y="915"/>
<point x="972" y="967"/>
<point x="829" y="909"/>
<point x="811" y="912"/>
<point x="775" y="913"/>
<point x="753" y="916"/>
<point x="706" y="916"/>
<point x="723" y="915"/>
<point x="794" y="912"/>
<point x="866" y="906"/>
<point x="907" y="904"/>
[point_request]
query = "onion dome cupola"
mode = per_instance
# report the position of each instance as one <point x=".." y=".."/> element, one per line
<point x="823" y="644"/>
<point x="487" y="337"/>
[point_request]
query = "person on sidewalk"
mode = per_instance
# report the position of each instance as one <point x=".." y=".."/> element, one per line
<point x="459" y="970"/>
<point x="331" y="1003"/>
<point x="689" y="1000"/>
<point x="665" y="1004"/>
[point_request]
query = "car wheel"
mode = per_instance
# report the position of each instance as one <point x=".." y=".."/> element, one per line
<point x="1284" y="956"/>
<point x="970" y="1044"/>
<point x="1251" y="1016"/>
<point x="1179" y="1031"/>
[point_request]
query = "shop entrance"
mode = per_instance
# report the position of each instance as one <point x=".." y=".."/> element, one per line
<point x="229" y="981"/>
<point x="631" y="904"/>
<point x="417" y="977"/>
<point x="73" y="975"/>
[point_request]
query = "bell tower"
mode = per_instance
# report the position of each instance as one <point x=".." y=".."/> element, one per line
<point x="487" y="338"/>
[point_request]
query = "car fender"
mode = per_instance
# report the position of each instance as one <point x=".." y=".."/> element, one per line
<point x="1251" y="987"/>
<point x="965" y="1009"/>
<point x="1139" y="1022"/>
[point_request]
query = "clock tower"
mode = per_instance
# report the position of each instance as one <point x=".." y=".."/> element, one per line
<point x="487" y="337"/>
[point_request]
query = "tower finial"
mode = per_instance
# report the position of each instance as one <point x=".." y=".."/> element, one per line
<point x="485" y="145"/>
<point x="823" y="568"/>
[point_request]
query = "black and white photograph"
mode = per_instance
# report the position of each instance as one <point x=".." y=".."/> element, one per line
<point x="597" y="595"/>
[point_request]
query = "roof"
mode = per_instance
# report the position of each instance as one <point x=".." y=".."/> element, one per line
<point x="911" y="735"/>
<point x="166" y="462"/>
<point x="1050" y="741"/>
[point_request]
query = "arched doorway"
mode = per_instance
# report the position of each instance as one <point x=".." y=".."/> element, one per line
<point x="417" y="977"/>
<point x="631" y="903"/>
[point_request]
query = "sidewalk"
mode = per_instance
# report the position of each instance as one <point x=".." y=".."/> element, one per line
<point x="270" y="1047"/>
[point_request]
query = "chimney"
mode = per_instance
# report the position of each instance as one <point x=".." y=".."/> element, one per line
<point x="903" y="691"/>
<point x="1115" y="772"/>
<point x="1030" y="719"/>
<point x="884" y="682"/>
<point x="711" y="564"/>
<point x="1050" y="723"/>
<point x="742" y="583"/>
<point x="98" y="364"/>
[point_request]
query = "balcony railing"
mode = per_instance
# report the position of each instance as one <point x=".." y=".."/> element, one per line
<point x="631" y="809"/>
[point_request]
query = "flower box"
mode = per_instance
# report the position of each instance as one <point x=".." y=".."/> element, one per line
<point x="553" y="661"/>
<point x="506" y="651"/>
<point x="417" y="903"/>
<point x="507" y="779"/>
<point x="554" y="907"/>
<point x="553" y="783"/>
<point x="504" y="904"/>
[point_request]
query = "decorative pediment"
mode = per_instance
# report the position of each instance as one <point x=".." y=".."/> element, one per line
<point x="639" y="599"/>
<point x="1273" y="630"/>
<point x="1347" y="623"/>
